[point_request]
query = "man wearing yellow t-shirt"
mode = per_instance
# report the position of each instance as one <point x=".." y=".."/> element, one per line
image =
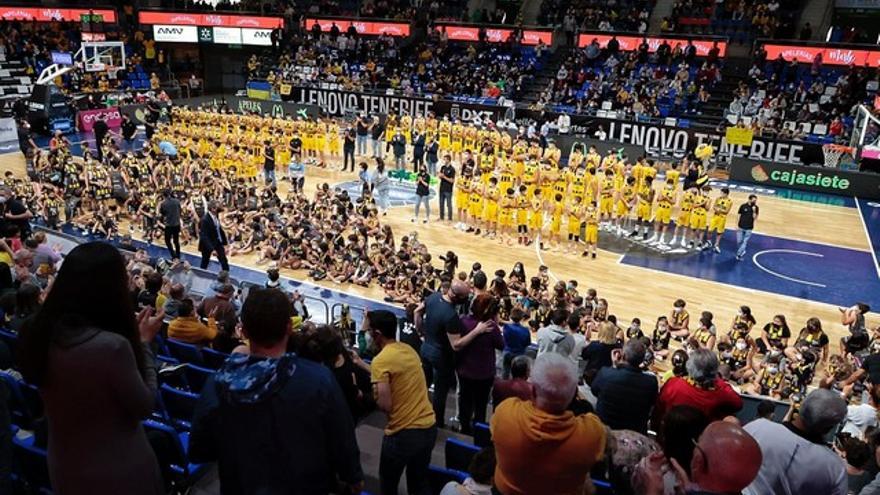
<point x="402" y="393"/>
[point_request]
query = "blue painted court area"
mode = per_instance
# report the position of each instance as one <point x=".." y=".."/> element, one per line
<point x="805" y="270"/>
<point x="870" y="213"/>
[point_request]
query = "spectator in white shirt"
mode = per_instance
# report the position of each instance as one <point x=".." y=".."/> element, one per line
<point x="863" y="416"/>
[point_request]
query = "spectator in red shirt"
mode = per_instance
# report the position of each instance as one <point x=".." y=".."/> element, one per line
<point x="836" y="127"/>
<point x="518" y="385"/>
<point x="703" y="389"/>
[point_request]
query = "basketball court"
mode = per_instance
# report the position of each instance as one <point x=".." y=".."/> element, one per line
<point x="810" y="254"/>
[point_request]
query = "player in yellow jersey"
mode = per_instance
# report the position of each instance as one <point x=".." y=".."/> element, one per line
<point x="552" y="153"/>
<point x="663" y="213"/>
<point x="606" y="198"/>
<point x="556" y="213"/>
<point x="547" y="180"/>
<point x="575" y="213"/>
<point x="683" y="222"/>
<point x="626" y="199"/>
<point x="444" y="130"/>
<point x="577" y="181"/>
<point x="406" y="127"/>
<point x="673" y="174"/>
<point x="334" y="141"/>
<point x="457" y="139"/>
<point x="591" y="229"/>
<point x="462" y="200"/>
<point x="505" y="174"/>
<point x="560" y="185"/>
<point x="522" y="215"/>
<point x="530" y="176"/>
<point x="720" y="209"/>
<point x="643" y="210"/>
<point x="475" y="204"/>
<point x="699" y="218"/>
<point x="506" y="212"/>
<point x="490" y="208"/>
<point x="536" y="216"/>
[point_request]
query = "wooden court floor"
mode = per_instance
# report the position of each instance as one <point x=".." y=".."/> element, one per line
<point x="631" y="291"/>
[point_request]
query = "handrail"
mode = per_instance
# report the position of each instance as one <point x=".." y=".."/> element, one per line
<point x="327" y="312"/>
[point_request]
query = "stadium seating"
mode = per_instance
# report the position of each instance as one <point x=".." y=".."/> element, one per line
<point x="438" y="477"/>
<point x="482" y="435"/>
<point x="178" y="406"/>
<point x="30" y="466"/>
<point x="459" y="454"/>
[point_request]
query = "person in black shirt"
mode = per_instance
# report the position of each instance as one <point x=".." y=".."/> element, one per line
<point x="418" y="141"/>
<point x="363" y="128"/>
<point x="432" y="148"/>
<point x="447" y="180"/>
<point x="25" y="138"/>
<point x="129" y="130"/>
<point x="748" y="213"/>
<point x="423" y="193"/>
<point x="269" y="164"/>
<point x="15" y="214"/>
<point x="348" y="150"/>
<point x="296" y="145"/>
<point x="100" y="129"/>
<point x="377" y="132"/>
<point x="151" y="119"/>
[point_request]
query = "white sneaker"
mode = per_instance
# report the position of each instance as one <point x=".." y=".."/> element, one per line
<point x="683" y="242"/>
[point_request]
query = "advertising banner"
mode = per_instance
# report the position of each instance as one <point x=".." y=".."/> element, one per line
<point x="39" y="14"/>
<point x="249" y="105"/>
<point x="376" y="28"/>
<point x="224" y="20"/>
<point x="256" y="37"/>
<point x="8" y="130"/>
<point x="816" y="179"/>
<point x="339" y="103"/>
<point x="830" y="55"/>
<point x="631" y="43"/>
<point x="175" y="34"/>
<point x="87" y="118"/>
<point x="228" y="36"/>
<point x="457" y="32"/>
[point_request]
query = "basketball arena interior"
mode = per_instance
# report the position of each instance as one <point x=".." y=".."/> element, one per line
<point x="462" y="247"/>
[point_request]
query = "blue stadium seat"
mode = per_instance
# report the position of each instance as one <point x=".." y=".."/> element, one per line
<point x="178" y="405"/>
<point x="213" y="359"/>
<point x="196" y="376"/>
<point x="438" y="477"/>
<point x="186" y="353"/>
<point x="459" y="454"/>
<point x="30" y="466"/>
<point x="179" y="441"/>
<point x="482" y="435"/>
<point x="25" y="404"/>
<point x="602" y="487"/>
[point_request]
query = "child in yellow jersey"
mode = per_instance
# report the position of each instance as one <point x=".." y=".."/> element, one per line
<point x="443" y="130"/>
<point x="530" y="176"/>
<point x="457" y="134"/>
<point x="626" y="199"/>
<point x="560" y="185"/>
<point x="507" y="210"/>
<point x="558" y="209"/>
<point x="522" y="216"/>
<point x="720" y="209"/>
<point x="673" y="174"/>
<point x="643" y="210"/>
<point x="699" y="218"/>
<point x="591" y="230"/>
<point x="663" y="213"/>
<point x="490" y="208"/>
<point x="536" y="215"/>
<point x="575" y="211"/>
<point x="505" y="176"/>
<point x="462" y="200"/>
<point x="547" y="181"/>
<point x="334" y="143"/>
<point x="577" y="184"/>
<point x="683" y="223"/>
<point x="606" y="196"/>
<point x="475" y="202"/>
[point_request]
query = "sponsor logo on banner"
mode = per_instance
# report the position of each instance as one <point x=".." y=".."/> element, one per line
<point x="830" y="55"/>
<point x="206" y="35"/>
<point x="631" y="43"/>
<point x="340" y="103"/>
<point x="224" y="20"/>
<point x="782" y="175"/>
<point x="230" y="36"/>
<point x="175" y="34"/>
<point x="87" y="118"/>
<point x="50" y="15"/>
<point x="258" y="37"/>
<point x="8" y="130"/>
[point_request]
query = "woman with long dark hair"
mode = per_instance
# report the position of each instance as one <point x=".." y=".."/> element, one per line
<point x="88" y="354"/>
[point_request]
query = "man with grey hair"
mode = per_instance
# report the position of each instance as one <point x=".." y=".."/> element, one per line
<point x="796" y="458"/>
<point x="540" y="446"/>
<point x="702" y="389"/>
<point x="625" y="393"/>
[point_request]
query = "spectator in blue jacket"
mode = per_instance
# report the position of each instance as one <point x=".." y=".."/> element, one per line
<point x="274" y="422"/>
<point x="516" y="339"/>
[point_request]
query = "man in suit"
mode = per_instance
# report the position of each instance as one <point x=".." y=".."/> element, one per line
<point x="212" y="238"/>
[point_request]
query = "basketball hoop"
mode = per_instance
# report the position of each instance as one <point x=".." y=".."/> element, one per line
<point x="833" y="153"/>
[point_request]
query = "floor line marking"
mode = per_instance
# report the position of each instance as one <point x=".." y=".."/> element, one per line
<point x="868" y="237"/>
<point x="786" y="277"/>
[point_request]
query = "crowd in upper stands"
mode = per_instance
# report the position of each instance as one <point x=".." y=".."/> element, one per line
<point x="788" y="99"/>
<point x="740" y="20"/>
<point x="636" y="83"/>
<point x="435" y="66"/>
<point x="591" y="15"/>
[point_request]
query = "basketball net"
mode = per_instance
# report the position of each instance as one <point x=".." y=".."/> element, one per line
<point x="834" y="152"/>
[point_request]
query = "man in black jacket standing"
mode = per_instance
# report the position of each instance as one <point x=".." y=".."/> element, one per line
<point x="169" y="211"/>
<point x="129" y="131"/>
<point x="100" y="129"/>
<point x="212" y="238"/>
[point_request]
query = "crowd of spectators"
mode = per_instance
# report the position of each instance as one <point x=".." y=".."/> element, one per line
<point x="591" y="15"/>
<point x="794" y="100"/>
<point x="669" y="82"/>
<point x="764" y="19"/>
<point x="435" y="66"/>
